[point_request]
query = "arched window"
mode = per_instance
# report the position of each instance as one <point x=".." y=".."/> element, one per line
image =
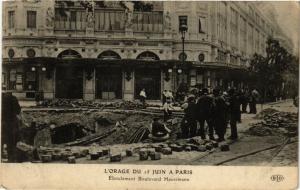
<point x="147" y="55"/>
<point x="69" y="54"/>
<point x="109" y="55"/>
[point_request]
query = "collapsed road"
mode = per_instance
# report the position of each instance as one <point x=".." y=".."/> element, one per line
<point x="104" y="135"/>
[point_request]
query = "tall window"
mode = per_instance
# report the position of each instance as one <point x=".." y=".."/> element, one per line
<point x="11" y="19"/>
<point x="31" y="19"/>
<point x="233" y="27"/>
<point x="222" y="21"/>
<point x="202" y="25"/>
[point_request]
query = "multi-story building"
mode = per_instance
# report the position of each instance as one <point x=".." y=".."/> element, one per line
<point x="94" y="49"/>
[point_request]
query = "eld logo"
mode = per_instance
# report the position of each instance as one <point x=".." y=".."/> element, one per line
<point x="277" y="178"/>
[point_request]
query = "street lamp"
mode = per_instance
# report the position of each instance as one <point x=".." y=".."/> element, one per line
<point x="182" y="29"/>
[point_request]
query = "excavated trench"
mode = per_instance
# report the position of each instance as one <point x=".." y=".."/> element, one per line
<point x="67" y="133"/>
<point x="83" y="128"/>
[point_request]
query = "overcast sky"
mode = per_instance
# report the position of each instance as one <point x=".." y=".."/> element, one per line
<point x="289" y="19"/>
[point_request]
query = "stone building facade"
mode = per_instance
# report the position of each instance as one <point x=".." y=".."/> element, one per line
<point x="111" y="50"/>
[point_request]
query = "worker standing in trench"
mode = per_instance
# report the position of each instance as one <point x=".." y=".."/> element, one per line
<point x="10" y="125"/>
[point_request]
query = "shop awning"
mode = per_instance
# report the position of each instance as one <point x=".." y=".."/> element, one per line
<point x="94" y="62"/>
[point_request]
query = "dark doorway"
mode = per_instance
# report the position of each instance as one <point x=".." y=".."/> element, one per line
<point x="69" y="82"/>
<point x="148" y="78"/>
<point x="108" y="83"/>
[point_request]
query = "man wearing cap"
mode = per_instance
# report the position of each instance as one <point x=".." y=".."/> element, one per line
<point x="219" y="115"/>
<point x="205" y="108"/>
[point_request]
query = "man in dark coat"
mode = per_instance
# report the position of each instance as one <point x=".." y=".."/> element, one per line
<point x="10" y="125"/>
<point x="205" y="108"/>
<point x="219" y="115"/>
<point x="244" y="101"/>
<point x="234" y="112"/>
<point x="189" y="125"/>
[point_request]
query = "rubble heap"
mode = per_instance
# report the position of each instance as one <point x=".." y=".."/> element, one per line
<point x="266" y="112"/>
<point x="92" y="104"/>
<point x="276" y="122"/>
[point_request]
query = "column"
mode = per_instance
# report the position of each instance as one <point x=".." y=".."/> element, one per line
<point x="238" y="33"/>
<point x="47" y="84"/>
<point x="129" y="18"/>
<point x="89" y="85"/>
<point x="90" y="23"/>
<point x="214" y="21"/>
<point x="167" y="79"/>
<point x="128" y="85"/>
<point x="228" y="25"/>
<point x="48" y="17"/>
<point x="193" y="77"/>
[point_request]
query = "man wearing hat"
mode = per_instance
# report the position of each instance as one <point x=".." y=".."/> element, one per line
<point x="205" y="108"/>
<point x="219" y="115"/>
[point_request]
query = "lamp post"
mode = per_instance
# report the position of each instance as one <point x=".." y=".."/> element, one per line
<point x="182" y="29"/>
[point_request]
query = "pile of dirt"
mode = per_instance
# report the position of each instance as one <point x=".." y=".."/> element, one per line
<point x="276" y="123"/>
<point x="67" y="103"/>
<point x="91" y="122"/>
<point x="83" y="118"/>
<point x="265" y="112"/>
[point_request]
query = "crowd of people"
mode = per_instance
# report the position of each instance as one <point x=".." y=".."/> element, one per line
<point x="215" y="110"/>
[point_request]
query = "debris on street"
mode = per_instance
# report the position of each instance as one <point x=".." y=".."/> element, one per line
<point x="275" y="122"/>
<point x="68" y="103"/>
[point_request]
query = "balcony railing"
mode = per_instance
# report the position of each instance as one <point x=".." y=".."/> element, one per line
<point x="75" y="21"/>
<point x="109" y="20"/>
<point x="148" y="21"/>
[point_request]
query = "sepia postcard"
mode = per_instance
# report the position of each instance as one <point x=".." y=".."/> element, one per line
<point x="149" y="94"/>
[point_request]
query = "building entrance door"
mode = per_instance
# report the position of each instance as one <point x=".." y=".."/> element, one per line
<point x="150" y="80"/>
<point x="109" y="83"/>
<point x="69" y="82"/>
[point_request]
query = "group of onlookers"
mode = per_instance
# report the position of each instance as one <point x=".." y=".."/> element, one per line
<point x="215" y="110"/>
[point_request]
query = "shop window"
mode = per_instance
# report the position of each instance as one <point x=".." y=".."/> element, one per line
<point x="31" y="19"/>
<point x="19" y="81"/>
<point x="30" y="83"/>
<point x="11" y="19"/>
<point x="12" y="79"/>
<point x="4" y="81"/>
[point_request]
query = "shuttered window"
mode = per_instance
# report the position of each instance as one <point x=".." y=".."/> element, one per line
<point x="31" y="19"/>
<point x="11" y="19"/>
